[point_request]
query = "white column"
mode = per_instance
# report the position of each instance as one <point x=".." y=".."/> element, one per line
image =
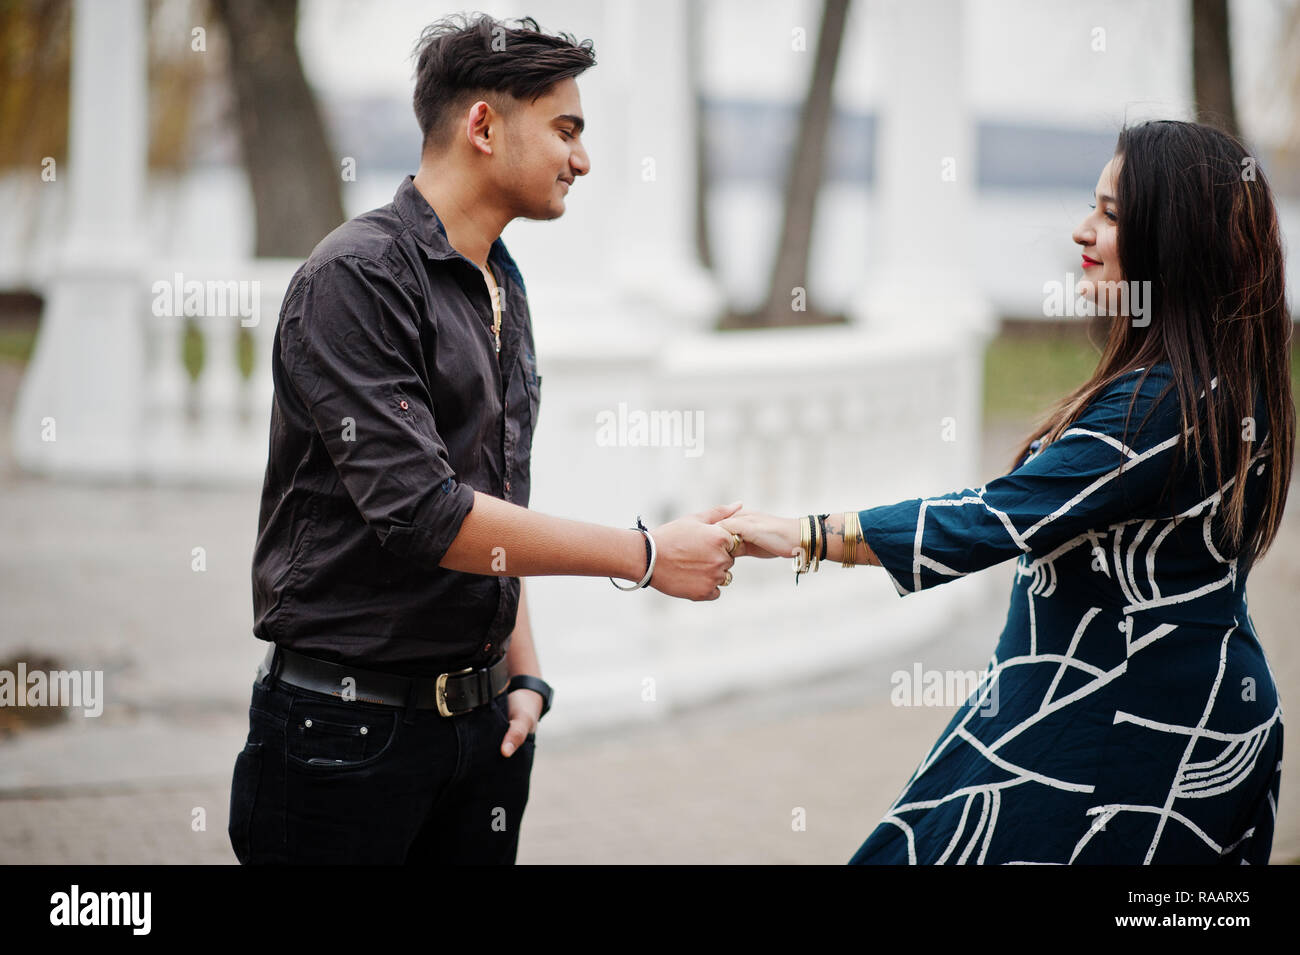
<point x="84" y="384"/>
<point x="620" y="265"/>
<point x="921" y="282"/>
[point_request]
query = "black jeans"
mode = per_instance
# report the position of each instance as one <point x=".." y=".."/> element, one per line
<point x="322" y="780"/>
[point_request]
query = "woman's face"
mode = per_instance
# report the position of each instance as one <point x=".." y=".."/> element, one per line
<point x="1096" y="234"/>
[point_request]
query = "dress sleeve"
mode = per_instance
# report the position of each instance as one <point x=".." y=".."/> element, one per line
<point x="1053" y="497"/>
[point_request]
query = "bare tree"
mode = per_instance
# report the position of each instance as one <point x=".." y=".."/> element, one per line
<point x="803" y="183"/>
<point x="35" y="97"/>
<point x="1212" y="65"/>
<point x="1286" y="172"/>
<point x="292" y="170"/>
<point x="703" y="182"/>
<point x="35" y="63"/>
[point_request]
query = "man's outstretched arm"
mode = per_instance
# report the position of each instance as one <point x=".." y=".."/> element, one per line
<point x="500" y="538"/>
<point x="349" y="345"/>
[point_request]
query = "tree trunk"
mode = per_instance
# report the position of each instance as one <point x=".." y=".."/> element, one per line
<point x="804" y="180"/>
<point x="694" y="54"/>
<point x="1212" y="66"/>
<point x="295" y="176"/>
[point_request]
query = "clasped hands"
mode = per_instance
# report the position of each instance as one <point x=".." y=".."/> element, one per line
<point x="695" y="553"/>
<point x="693" y="560"/>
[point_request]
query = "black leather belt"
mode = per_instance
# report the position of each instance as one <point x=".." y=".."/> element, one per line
<point x="448" y="693"/>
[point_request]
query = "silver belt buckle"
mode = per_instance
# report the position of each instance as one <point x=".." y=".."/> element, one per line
<point x="440" y="690"/>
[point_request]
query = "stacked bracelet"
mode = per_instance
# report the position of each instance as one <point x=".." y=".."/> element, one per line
<point x="852" y="534"/>
<point x="801" y="556"/>
<point x="813" y="541"/>
<point x="649" y="559"/>
<point x="815" y="552"/>
<point x="812" y="544"/>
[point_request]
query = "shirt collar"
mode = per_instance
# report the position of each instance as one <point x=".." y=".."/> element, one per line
<point x="432" y="236"/>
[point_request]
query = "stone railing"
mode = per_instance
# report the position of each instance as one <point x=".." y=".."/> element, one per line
<point x="632" y="421"/>
<point x="787" y="421"/>
<point x="130" y="408"/>
<point x="211" y="428"/>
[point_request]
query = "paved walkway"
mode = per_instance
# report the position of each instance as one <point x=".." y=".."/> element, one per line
<point x="104" y="574"/>
<point x="719" y="786"/>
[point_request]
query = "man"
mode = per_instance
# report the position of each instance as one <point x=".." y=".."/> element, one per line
<point x="393" y="720"/>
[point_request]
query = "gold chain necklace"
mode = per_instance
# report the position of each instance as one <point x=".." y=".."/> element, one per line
<point x="494" y="294"/>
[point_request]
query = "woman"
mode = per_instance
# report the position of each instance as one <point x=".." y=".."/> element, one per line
<point x="1137" y="720"/>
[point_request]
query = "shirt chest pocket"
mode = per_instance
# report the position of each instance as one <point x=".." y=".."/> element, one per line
<point x="533" y="387"/>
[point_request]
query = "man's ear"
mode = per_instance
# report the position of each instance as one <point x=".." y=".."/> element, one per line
<point x="480" y="127"/>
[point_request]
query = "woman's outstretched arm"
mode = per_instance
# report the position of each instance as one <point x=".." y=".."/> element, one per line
<point x="1101" y="472"/>
<point x="766" y="535"/>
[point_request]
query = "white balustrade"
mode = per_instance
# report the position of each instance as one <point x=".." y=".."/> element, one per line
<point x="211" y="430"/>
<point x="793" y="420"/>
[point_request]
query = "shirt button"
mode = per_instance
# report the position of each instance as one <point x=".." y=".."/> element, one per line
<point x="403" y="405"/>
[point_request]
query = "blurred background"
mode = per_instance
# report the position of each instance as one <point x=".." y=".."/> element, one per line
<point x="821" y="249"/>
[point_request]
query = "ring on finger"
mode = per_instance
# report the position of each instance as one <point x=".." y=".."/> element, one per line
<point x="726" y="578"/>
<point x="735" y="542"/>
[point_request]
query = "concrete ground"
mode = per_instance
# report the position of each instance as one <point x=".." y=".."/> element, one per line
<point x="92" y="573"/>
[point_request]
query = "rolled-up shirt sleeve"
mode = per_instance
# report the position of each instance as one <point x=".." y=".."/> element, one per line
<point x="1075" y="484"/>
<point x="350" y="347"/>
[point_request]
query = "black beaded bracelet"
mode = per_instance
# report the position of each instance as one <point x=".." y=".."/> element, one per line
<point x="815" y="548"/>
<point x="649" y="552"/>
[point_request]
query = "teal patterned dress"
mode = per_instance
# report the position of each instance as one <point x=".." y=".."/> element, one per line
<point x="1128" y="714"/>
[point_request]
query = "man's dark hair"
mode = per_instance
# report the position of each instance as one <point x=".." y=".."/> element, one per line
<point x="462" y="59"/>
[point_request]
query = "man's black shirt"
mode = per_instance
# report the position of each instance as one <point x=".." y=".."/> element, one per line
<point x="391" y="408"/>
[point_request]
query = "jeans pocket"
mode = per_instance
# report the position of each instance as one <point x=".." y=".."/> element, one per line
<point x="502" y="706"/>
<point x="327" y="735"/>
<point x="243" y="798"/>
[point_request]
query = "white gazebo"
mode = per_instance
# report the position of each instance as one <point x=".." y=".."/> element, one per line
<point x="785" y="420"/>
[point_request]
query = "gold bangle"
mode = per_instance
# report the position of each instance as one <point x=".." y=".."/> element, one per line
<point x="852" y="531"/>
<point x="801" y="559"/>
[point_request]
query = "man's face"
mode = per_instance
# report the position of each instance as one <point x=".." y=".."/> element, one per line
<point x="542" y="152"/>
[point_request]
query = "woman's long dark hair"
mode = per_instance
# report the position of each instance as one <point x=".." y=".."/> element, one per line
<point x="1196" y="218"/>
